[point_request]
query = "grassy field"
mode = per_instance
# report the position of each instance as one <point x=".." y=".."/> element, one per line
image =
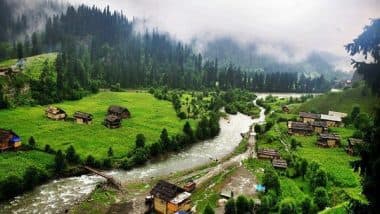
<point x="15" y="163"/>
<point x="149" y="117"/>
<point x="33" y="64"/>
<point x="342" y="101"/>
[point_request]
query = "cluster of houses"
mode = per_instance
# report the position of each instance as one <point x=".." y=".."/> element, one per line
<point x="310" y="123"/>
<point x="168" y="198"/>
<point x="318" y="123"/>
<point x="113" y="119"/>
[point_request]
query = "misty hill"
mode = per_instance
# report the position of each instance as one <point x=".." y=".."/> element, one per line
<point x="227" y="50"/>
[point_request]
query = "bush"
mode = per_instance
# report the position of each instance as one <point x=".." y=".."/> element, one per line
<point x="230" y="207"/>
<point x="140" y="141"/>
<point x="110" y="152"/>
<point x="90" y="161"/>
<point x="208" y="210"/>
<point x="271" y="181"/>
<point x="257" y="128"/>
<point x="288" y="206"/>
<point x="306" y="205"/>
<point x="59" y="160"/>
<point x="140" y="156"/>
<point x="182" y="115"/>
<point x="243" y="205"/>
<point x="32" y="142"/>
<point x="107" y="163"/>
<point x="33" y="177"/>
<point x="127" y="164"/>
<point x="319" y="179"/>
<point x="230" y="109"/>
<point x="72" y="156"/>
<point x="321" y="198"/>
<point x="11" y="187"/>
<point x="48" y="149"/>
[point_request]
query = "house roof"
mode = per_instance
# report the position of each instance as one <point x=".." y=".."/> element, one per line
<point x="354" y="141"/>
<point x="299" y="126"/>
<point x="331" y="118"/>
<point x="338" y="114"/>
<point x="84" y="115"/>
<point x="268" y="152"/>
<point x="166" y="190"/>
<point x="55" y="110"/>
<point x="117" y="109"/>
<point x="309" y="115"/>
<point x="329" y="136"/>
<point x="279" y="163"/>
<point x="319" y="124"/>
<point x="4" y="134"/>
<point x="180" y="198"/>
<point x="112" y="118"/>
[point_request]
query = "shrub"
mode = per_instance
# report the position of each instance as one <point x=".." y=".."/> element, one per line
<point x="140" y="156"/>
<point x="230" y="207"/>
<point x="107" y="163"/>
<point x="140" y="141"/>
<point x="319" y="179"/>
<point x="287" y="206"/>
<point x="59" y="160"/>
<point x="182" y="115"/>
<point x="90" y="161"/>
<point x="306" y="205"/>
<point x="32" y="142"/>
<point x="110" y="152"/>
<point x="127" y="164"/>
<point x="72" y="156"/>
<point x="48" y="149"/>
<point x="11" y="187"/>
<point x="271" y="181"/>
<point x="243" y="205"/>
<point x="155" y="149"/>
<point x="321" y="198"/>
<point x="208" y="210"/>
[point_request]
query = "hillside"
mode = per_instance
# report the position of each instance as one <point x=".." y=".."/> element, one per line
<point x="33" y="64"/>
<point x="342" y="101"/>
<point x="149" y="117"/>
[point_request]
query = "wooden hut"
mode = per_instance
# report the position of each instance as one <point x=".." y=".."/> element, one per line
<point x="299" y="128"/>
<point x="119" y="111"/>
<point x="268" y="154"/>
<point x="55" y="113"/>
<point x="353" y="146"/>
<point x="9" y="140"/>
<point x="112" y="121"/>
<point x="83" y="118"/>
<point x="328" y="140"/>
<point x="331" y="120"/>
<point x="319" y="126"/>
<point x="309" y="117"/>
<point x="169" y="198"/>
<point x="279" y="163"/>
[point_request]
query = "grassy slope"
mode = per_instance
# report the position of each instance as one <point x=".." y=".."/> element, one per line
<point x="34" y="64"/>
<point x="15" y="163"/>
<point x="149" y="117"/>
<point x="342" y="101"/>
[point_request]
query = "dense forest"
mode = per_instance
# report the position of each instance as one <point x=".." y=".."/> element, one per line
<point x="100" y="49"/>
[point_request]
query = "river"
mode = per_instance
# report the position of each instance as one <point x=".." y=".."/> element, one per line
<point x="59" y="195"/>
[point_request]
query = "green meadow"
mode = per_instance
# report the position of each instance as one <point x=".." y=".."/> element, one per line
<point x="149" y="117"/>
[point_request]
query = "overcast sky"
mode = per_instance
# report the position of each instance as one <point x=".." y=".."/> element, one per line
<point x="299" y="25"/>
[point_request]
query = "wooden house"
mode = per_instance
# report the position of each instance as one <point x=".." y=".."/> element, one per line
<point x="83" y="118"/>
<point x="328" y="140"/>
<point x="169" y="198"/>
<point x="112" y="121"/>
<point x="354" y="145"/>
<point x="119" y="111"/>
<point x="331" y="120"/>
<point x="319" y="126"/>
<point x="55" y="113"/>
<point x="268" y="154"/>
<point x="279" y="163"/>
<point x="309" y="117"/>
<point x="299" y="128"/>
<point x="9" y="140"/>
<point x="337" y="114"/>
<point x="285" y="108"/>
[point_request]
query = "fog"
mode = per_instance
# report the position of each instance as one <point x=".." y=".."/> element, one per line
<point x="287" y="29"/>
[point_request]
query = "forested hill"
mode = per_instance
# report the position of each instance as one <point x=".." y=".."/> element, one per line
<point x="248" y="56"/>
<point x="99" y="48"/>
